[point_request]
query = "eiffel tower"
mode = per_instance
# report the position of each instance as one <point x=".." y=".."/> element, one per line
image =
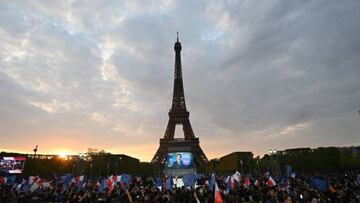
<point x="178" y="115"/>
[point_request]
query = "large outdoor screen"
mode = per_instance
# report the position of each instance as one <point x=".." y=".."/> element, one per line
<point x="12" y="164"/>
<point x="180" y="160"/>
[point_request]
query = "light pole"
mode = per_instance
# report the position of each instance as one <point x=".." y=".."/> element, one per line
<point x="117" y="164"/>
<point x="35" y="150"/>
<point x="116" y="168"/>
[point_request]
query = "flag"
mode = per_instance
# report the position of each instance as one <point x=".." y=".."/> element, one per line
<point x="66" y="180"/>
<point x="178" y="182"/>
<point x="118" y="179"/>
<point x="125" y="178"/>
<point x="230" y="184"/>
<point x="103" y="185"/>
<point x="218" y="198"/>
<point x="157" y="182"/>
<point x="110" y="184"/>
<point x="21" y="185"/>
<point x="212" y="182"/>
<point x="81" y="178"/>
<point x="34" y="187"/>
<point x="189" y="179"/>
<point x="237" y="176"/>
<point x="246" y="182"/>
<point x="288" y="169"/>
<point x="318" y="183"/>
<point x="10" y="180"/>
<point x="32" y="179"/>
<point x="18" y="187"/>
<point x="270" y="182"/>
<point x="169" y="183"/>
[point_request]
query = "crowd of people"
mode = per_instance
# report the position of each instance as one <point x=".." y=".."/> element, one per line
<point x="206" y="188"/>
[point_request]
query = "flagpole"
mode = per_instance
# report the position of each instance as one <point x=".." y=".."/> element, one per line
<point x="90" y="170"/>
<point x="108" y="168"/>
<point x="73" y="169"/>
<point x="116" y="168"/>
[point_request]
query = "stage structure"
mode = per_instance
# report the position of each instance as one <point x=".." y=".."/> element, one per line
<point x="186" y="148"/>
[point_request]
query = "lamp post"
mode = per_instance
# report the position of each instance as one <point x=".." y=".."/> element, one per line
<point x="116" y="167"/>
<point x="35" y="150"/>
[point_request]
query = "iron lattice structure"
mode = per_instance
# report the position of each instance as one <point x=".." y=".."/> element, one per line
<point x="178" y="115"/>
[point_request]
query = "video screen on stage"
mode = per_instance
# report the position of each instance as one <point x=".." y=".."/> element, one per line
<point x="12" y="164"/>
<point x="180" y="160"/>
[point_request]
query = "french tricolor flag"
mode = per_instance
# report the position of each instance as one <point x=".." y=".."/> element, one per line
<point x="110" y="184"/>
<point x="218" y="198"/>
<point x="270" y="182"/>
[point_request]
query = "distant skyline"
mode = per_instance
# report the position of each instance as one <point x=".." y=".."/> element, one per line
<point x="258" y="75"/>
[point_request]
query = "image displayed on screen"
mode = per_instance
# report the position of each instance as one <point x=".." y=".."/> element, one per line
<point x="12" y="164"/>
<point x="180" y="160"/>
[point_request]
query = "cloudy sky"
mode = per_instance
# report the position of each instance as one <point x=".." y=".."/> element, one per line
<point x="258" y="74"/>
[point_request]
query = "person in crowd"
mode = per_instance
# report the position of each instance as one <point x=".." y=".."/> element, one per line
<point x="339" y="188"/>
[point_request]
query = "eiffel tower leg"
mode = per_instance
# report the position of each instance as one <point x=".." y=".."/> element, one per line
<point x="188" y="132"/>
<point x="170" y="130"/>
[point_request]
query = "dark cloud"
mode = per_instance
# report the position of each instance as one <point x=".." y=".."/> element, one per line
<point x="260" y="74"/>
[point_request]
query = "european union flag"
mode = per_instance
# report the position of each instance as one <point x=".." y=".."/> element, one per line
<point x="103" y="185"/>
<point x="212" y="182"/>
<point x="66" y="179"/>
<point x="158" y="182"/>
<point x="189" y="180"/>
<point x="318" y="183"/>
<point x="125" y="178"/>
<point x="169" y="183"/>
<point x="10" y="180"/>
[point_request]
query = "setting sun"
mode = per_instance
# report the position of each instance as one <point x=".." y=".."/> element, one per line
<point x="63" y="154"/>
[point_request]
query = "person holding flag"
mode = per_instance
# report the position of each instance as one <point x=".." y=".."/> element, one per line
<point x="217" y="195"/>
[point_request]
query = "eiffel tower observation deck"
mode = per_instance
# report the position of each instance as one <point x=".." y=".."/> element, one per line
<point x="178" y="115"/>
